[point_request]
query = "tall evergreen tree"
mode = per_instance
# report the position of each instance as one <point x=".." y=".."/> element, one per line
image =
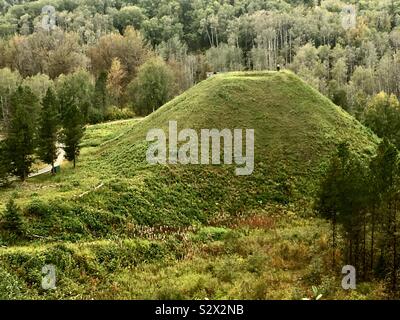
<point x="387" y="176"/>
<point x="73" y="130"/>
<point x="48" y="129"/>
<point x="21" y="131"/>
<point x="328" y="199"/>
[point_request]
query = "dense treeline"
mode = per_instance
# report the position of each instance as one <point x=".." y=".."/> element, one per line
<point x="361" y="199"/>
<point x="57" y="60"/>
<point x="108" y="58"/>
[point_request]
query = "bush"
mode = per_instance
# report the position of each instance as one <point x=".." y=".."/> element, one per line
<point x="256" y="263"/>
<point x="211" y="234"/>
<point x="38" y="208"/>
<point x="315" y="272"/>
<point x="95" y="116"/>
<point x="4" y="165"/>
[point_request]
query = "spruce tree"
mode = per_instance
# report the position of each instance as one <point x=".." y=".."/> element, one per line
<point x="48" y="129"/>
<point x="4" y="164"/>
<point x="328" y="200"/>
<point x="21" y="131"/>
<point x="342" y="201"/>
<point x="13" y="221"/>
<point x="73" y="130"/>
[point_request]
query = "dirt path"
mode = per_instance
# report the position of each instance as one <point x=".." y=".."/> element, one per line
<point x="48" y="168"/>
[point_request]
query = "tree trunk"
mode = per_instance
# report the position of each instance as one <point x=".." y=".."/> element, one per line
<point x="364" y="247"/>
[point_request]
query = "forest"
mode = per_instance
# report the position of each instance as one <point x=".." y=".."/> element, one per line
<point x="93" y="61"/>
<point x="111" y="40"/>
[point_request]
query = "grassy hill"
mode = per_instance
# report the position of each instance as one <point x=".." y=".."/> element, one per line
<point x="118" y="217"/>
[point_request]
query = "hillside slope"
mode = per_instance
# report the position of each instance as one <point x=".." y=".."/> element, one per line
<point x="296" y="130"/>
<point x="117" y="227"/>
<point x="293" y="123"/>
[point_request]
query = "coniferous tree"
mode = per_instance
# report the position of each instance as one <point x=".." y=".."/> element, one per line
<point x="79" y="87"/>
<point x="73" y="130"/>
<point x="342" y="201"/>
<point x="48" y="129"/>
<point x="328" y="199"/>
<point x="364" y="204"/>
<point x="378" y="183"/>
<point x="353" y="213"/>
<point x="4" y="164"/>
<point x="13" y="221"/>
<point x="21" y="131"/>
<point x="387" y="175"/>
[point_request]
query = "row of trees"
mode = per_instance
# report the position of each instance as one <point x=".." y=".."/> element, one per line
<point x="361" y="200"/>
<point x="39" y="128"/>
<point x="119" y="70"/>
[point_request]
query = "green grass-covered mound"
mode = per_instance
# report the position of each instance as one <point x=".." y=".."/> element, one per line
<point x="296" y="129"/>
<point x="114" y="187"/>
<point x="117" y="227"/>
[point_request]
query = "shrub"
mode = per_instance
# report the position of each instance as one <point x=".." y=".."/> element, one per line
<point x="95" y="116"/>
<point x="13" y="220"/>
<point x="38" y="208"/>
<point x="256" y="263"/>
<point x="9" y="288"/>
<point x="315" y="272"/>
